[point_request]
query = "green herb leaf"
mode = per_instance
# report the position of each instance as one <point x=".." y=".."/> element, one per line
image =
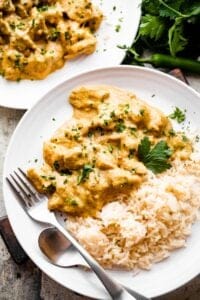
<point x="144" y="148"/>
<point x="117" y="27"/>
<point x="71" y="201"/>
<point x="172" y="132"/>
<point x="156" y="158"/>
<point x="175" y="27"/>
<point x="67" y="36"/>
<point x="171" y="8"/>
<point x="178" y="115"/>
<point x="50" y="189"/>
<point x="110" y="148"/>
<point x="131" y="153"/>
<point x="151" y="6"/>
<point x="152" y="26"/>
<point x="120" y="126"/>
<point x="54" y="34"/>
<point x="177" y="41"/>
<point x="43" y="8"/>
<point x="194" y="10"/>
<point x="84" y="173"/>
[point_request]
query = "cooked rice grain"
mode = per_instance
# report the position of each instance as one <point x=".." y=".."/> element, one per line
<point x="155" y="220"/>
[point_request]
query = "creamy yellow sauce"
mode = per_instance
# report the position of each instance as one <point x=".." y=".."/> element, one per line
<point x="93" y="158"/>
<point x="37" y="37"/>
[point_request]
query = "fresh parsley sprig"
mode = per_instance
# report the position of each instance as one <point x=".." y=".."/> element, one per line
<point x="168" y="28"/>
<point x="169" y="21"/>
<point x="155" y="158"/>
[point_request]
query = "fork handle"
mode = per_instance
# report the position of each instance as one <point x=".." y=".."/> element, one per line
<point x="12" y="244"/>
<point x="115" y="290"/>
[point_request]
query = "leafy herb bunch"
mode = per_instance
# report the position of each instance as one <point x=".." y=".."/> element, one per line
<point x="168" y="27"/>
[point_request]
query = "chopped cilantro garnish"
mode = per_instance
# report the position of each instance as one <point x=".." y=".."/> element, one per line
<point x="106" y="122"/>
<point x="43" y="8"/>
<point x="77" y="136"/>
<point x="50" y="189"/>
<point x="110" y="148"/>
<point x="84" y="173"/>
<point x="133" y="130"/>
<point x="120" y="126"/>
<point x="67" y="36"/>
<point x="142" y="112"/>
<point x="71" y="201"/>
<point x="127" y="108"/>
<point x="172" y="132"/>
<point x="112" y="114"/>
<point x="131" y="153"/>
<point x="12" y="26"/>
<point x="90" y="134"/>
<point x="43" y="51"/>
<point x="117" y="28"/>
<point x="55" y="34"/>
<point x="178" y="115"/>
<point x="20" y="25"/>
<point x="184" y="138"/>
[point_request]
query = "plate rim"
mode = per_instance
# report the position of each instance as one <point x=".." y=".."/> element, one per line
<point x="75" y="77"/>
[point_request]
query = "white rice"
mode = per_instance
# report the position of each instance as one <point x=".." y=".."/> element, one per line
<point x="156" y="219"/>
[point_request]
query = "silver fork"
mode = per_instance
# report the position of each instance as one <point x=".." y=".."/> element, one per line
<point x="35" y="205"/>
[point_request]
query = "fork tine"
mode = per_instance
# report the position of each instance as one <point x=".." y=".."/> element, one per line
<point x="21" y="188"/>
<point x="28" y="191"/>
<point x="18" y="193"/>
<point x="27" y="183"/>
<point x="32" y="196"/>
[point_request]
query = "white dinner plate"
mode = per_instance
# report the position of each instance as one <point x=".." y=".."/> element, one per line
<point x="25" y="150"/>
<point x="125" y="14"/>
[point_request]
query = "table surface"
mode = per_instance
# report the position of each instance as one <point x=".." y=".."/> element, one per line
<point x="27" y="282"/>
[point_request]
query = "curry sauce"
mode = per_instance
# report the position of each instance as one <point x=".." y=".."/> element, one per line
<point x="93" y="158"/>
<point x="38" y="36"/>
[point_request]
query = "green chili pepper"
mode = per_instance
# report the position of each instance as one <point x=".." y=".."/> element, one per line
<point x="167" y="61"/>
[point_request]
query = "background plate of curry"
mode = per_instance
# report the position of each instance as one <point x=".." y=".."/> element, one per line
<point x="151" y="146"/>
<point x="42" y="43"/>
